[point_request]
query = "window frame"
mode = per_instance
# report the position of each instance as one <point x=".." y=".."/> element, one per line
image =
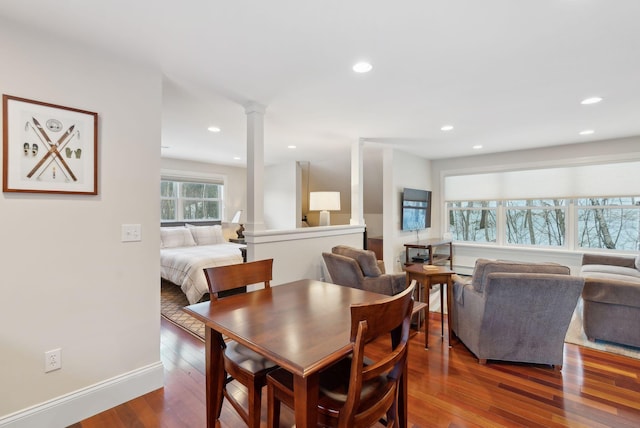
<point x="571" y="210"/>
<point x="180" y="200"/>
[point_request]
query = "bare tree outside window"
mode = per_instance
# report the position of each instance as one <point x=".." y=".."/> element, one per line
<point x="536" y="222"/>
<point x="190" y="201"/>
<point x="473" y="221"/>
<point x="611" y="223"/>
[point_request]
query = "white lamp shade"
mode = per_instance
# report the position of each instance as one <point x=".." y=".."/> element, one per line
<point x="236" y="217"/>
<point x="324" y="201"/>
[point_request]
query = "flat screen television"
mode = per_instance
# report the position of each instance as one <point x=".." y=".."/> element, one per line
<point x="416" y="209"/>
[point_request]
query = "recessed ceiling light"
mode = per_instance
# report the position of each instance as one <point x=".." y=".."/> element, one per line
<point x="477" y="147"/>
<point x="362" y="67"/>
<point x="237" y="158"/>
<point x="587" y="132"/>
<point x="592" y="100"/>
<point x="447" y="128"/>
<point x="291" y="147"/>
<point x="213" y="129"/>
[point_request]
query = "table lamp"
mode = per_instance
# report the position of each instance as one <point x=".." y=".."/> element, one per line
<point x="324" y="202"/>
<point x="236" y="220"/>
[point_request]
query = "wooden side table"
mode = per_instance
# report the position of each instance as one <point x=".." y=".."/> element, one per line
<point x="431" y="257"/>
<point x="427" y="276"/>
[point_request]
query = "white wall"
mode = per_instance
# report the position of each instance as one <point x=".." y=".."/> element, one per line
<point x="297" y="253"/>
<point x="372" y="189"/>
<point x="67" y="280"/>
<point x="330" y="175"/>
<point x="374" y="224"/>
<point x="282" y="208"/>
<point x="401" y="170"/>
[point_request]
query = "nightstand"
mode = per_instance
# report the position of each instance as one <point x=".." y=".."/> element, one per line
<point x="243" y="250"/>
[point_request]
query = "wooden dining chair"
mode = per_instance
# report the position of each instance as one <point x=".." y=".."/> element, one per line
<point x="241" y="363"/>
<point x="358" y="392"/>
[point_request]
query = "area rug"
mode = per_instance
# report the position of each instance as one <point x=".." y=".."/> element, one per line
<point x="172" y="300"/>
<point x="575" y="335"/>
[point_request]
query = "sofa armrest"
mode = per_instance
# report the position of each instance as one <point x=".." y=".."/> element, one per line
<point x="399" y="281"/>
<point x="388" y="284"/>
<point x="343" y="270"/>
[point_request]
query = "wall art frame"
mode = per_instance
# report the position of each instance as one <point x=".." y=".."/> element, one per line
<point x="48" y="148"/>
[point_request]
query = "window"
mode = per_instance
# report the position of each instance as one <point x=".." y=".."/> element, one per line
<point x="536" y="222"/>
<point x="608" y="223"/>
<point x="611" y="223"/>
<point x="573" y="207"/>
<point x="184" y="200"/>
<point x="473" y="220"/>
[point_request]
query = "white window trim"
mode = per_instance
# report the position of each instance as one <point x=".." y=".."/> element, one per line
<point x="571" y="228"/>
<point x="190" y="176"/>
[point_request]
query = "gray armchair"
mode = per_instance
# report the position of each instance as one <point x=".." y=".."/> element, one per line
<point x="513" y="311"/>
<point x="356" y="268"/>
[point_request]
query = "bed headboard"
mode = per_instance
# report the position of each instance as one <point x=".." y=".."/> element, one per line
<point x="196" y="223"/>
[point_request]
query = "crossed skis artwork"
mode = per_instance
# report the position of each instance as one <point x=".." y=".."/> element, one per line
<point x="54" y="149"/>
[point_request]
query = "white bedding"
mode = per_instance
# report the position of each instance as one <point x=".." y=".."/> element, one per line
<point x="183" y="265"/>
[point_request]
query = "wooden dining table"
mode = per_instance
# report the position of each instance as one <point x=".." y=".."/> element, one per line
<point x="302" y="326"/>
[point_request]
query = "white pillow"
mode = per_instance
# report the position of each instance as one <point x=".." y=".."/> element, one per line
<point x="207" y="235"/>
<point x="638" y="262"/>
<point x="171" y="237"/>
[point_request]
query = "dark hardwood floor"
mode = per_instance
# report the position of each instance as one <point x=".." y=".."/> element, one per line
<point x="447" y="388"/>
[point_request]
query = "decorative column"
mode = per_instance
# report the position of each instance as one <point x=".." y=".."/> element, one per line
<point x="357" y="186"/>
<point x="255" y="166"/>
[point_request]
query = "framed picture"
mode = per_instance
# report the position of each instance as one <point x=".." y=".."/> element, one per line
<point x="48" y="148"/>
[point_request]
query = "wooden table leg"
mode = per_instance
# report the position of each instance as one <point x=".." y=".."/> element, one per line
<point x="442" y="311"/>
<point x="215" y="375"/>
<point x="449" y="305"/>
<point x="427" y="287"/>
<point x="403" y="397"/>
<point x="421" y="285"/>
<point x="305" y="399"/>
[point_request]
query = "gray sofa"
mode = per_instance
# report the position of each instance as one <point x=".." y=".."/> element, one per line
<point x="611" y="298"/>
<point x="515" y="311"/>
<point x="357" y="268"/>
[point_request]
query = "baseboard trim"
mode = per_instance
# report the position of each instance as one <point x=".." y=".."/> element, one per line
<point x="83" y="403"/>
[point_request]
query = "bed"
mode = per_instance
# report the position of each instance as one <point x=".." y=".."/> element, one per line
<point x="187" y="250"/>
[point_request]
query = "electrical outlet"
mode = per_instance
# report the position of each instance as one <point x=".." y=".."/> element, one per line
<point x="52" y="360"/>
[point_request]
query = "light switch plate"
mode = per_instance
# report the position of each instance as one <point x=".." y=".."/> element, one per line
<point x="131" y="232"/>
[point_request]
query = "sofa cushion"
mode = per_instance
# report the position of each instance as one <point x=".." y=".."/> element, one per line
<point x="638" y="262"/>
<point x="365" y="258"/>
<point x="612" y="291"/>
<point x="618" y="271"/>
<point x="484" y="267"/>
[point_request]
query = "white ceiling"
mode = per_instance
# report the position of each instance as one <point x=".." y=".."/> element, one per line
<point x="507" y="74"/>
